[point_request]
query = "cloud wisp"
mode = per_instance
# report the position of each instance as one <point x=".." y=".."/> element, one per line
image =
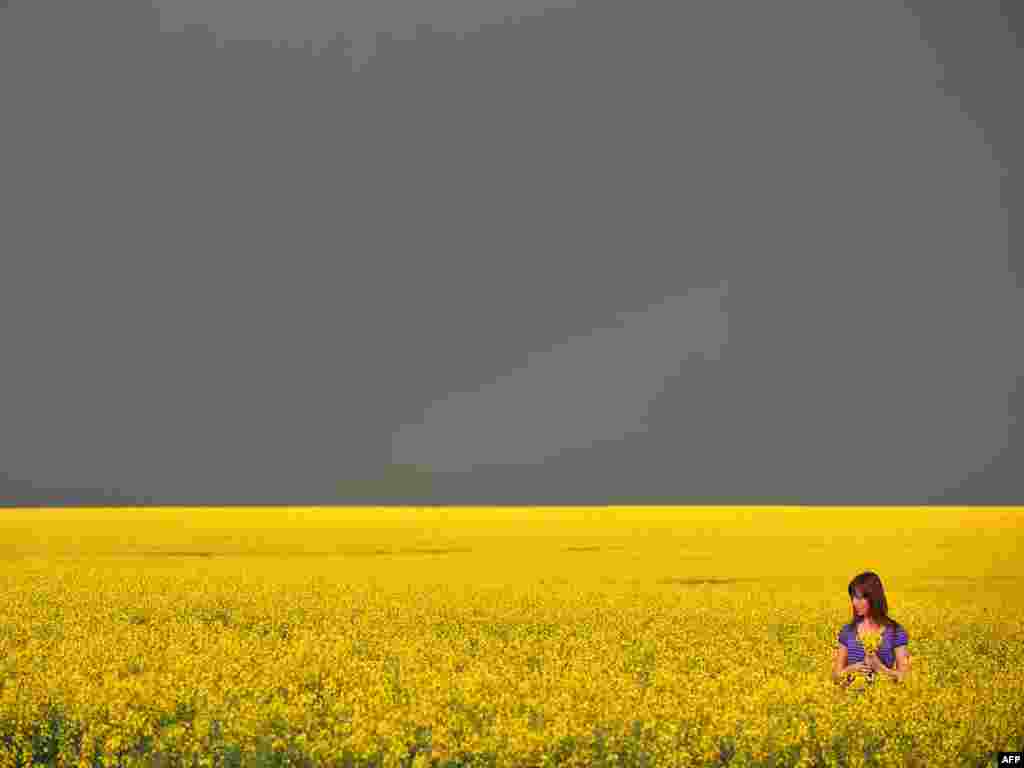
<point x="585" y="390"/>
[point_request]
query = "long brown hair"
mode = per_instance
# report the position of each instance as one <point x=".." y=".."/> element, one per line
<point x="871" y="587"/>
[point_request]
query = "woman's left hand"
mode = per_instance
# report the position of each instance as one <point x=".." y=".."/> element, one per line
<point x="872" y="660"/>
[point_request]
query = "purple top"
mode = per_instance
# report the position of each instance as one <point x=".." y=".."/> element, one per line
<point x="891" y="639"/>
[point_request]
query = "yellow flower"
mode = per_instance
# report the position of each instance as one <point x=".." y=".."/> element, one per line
<point x="871" y="641"/>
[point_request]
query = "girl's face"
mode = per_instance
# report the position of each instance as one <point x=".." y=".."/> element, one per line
<point x="860" y="603"/>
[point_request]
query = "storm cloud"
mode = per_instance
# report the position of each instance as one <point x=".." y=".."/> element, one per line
<point x="537" y="252"/>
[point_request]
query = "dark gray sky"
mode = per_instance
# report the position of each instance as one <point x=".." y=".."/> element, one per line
<point x="588" y="252"/>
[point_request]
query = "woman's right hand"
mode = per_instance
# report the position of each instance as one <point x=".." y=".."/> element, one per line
<point x="860" y="666"/>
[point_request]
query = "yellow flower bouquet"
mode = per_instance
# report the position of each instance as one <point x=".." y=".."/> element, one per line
<point x="871" y="641"/>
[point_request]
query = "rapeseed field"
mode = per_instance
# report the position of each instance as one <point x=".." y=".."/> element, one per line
<point x="503" y="637"/>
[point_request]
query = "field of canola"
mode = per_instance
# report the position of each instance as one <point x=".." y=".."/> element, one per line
<point x="505" y="637"/>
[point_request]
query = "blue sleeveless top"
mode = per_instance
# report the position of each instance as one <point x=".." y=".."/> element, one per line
<point x="892" y="638"/>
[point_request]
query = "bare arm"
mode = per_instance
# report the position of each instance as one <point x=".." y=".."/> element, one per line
<point x="839" y="667"/>
<point x="902" y="665"/>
